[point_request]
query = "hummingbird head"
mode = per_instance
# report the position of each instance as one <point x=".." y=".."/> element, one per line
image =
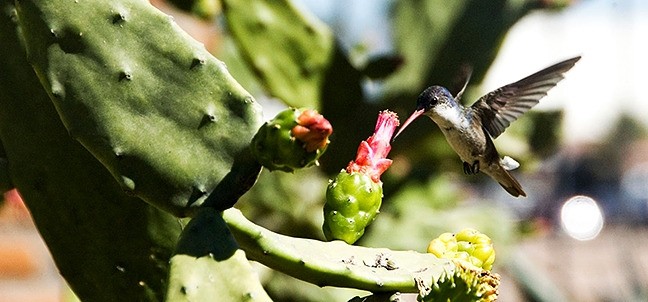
<point x="426" y="102"/>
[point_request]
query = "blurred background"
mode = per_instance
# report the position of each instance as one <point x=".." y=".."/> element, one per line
<point x="581" y="233"/>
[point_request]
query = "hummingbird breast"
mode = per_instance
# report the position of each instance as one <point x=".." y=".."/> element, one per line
<point x="465" y="135"/>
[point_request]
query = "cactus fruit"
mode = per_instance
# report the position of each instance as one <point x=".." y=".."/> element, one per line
<point x="352" y="202"/>
<point x="468" y="245"/>
<point x="354" y="197"/>
<point x="294" y="139"/>
<point x="161" y="113"/>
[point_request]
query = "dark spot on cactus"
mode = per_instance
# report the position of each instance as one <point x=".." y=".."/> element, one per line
<point x="69" y="40"/>
<point x="196" y="194"/>
<point x="183" y="290"/>
<point x="207" y="119"/>
<point x="306" y="70"/>
<point x="57" y="92"/>
<point x="125" y="75"/>
<point x="197" y="62"/>
<point x="260" y="25"/>
<point x="118" y="18"/>
<point x="309" y="29"/>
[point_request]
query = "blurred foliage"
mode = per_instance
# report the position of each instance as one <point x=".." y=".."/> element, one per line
<point x="203" y="9"/>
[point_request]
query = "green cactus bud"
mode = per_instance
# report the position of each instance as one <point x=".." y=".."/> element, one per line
<point x="294" y="139"/>
<point x="352" y="202"/>
<point x="353" y="198"/>
<point x="468" y="245"/>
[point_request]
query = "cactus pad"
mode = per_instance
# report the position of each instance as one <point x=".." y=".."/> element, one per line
<point x="163" y="115"/>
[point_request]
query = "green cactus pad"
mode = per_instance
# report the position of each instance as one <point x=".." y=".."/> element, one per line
<point x="209" y="266"/>
<point x="163" y="115"/>
<point x="107" y="245"/>
<point x="339" y="264"/>
<point x="276" y="149"/>
<point x="352" y="202"/>
<point x="288" y="49"/>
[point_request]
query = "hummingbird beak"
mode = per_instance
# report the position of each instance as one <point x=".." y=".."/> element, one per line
<point x="409" y="120"/>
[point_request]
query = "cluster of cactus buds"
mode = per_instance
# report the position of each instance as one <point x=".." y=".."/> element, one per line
<point x="468" y="245"/>
<point x="354" y="196"/>
<point x="293" y="139"/>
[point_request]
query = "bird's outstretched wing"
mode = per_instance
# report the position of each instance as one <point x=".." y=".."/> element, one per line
<point x="500" y="107"/>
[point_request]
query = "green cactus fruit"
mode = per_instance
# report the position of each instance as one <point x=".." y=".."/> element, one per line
<point x="353" y="198"/>
<point x="468" y="245"/>
<point x="294" y="139"/>
<point x="352" y="202"/>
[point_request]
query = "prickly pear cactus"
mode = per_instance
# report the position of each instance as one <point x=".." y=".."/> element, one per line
<point x="209" y="266"/>
<point x="162" y="114"/>
<point x="107" y="245"/>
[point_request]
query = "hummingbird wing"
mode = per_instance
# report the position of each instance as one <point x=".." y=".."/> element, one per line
<point x="499" y="108"/>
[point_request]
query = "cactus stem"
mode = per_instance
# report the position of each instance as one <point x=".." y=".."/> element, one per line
<point x="336" y="263"/>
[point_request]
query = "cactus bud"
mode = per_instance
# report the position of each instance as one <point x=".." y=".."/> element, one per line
<point x="354" y="196"/>
<point x="468" y="245"/>
<point x="294" y="139"/>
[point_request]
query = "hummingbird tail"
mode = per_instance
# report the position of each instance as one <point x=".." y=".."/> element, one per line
<point x="510" y="184"/>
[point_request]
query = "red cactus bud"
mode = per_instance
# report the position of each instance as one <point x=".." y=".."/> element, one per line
<point x="312" y="129"/>
<point x="371" y="158"/>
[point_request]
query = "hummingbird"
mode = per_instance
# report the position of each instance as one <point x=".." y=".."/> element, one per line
<point x="470" y="130"/>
